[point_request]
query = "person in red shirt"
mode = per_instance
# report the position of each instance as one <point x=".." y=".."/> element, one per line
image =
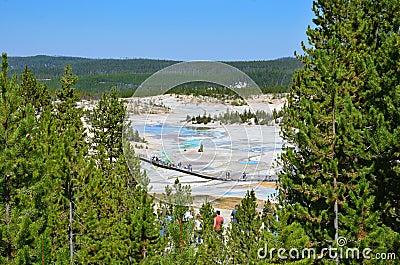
<point x="218" y="221"/>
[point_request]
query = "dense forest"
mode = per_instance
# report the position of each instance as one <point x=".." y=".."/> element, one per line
<point x="99" y="75"/>
<point x="72" y="191"/>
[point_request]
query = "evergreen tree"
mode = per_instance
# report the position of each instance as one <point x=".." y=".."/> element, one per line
<point x="279" y="231"/>
<point x="340" y="125"/>
<point x="176" y="203"/>
<point x="34" y="93"/>
<point x="119" y="221"/>
<point x="119" y="224"/>
<point x="207" y="213"/>
<point x="244" y="236"/>
<point x="201" y="148"/>
<point x="108" y="122"/>
<point x="213" y="248"/>
<point x="18" y="211"/>
<point x="69" y="170"/>
<point x="145" y="236"/>
<point x="43" y="189"/>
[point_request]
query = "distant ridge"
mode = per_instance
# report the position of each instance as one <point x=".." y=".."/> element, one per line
<point x="96" y="75"/>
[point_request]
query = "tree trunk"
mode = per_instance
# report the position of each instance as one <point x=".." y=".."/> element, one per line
<point x="71" y="233"/>
<point x="335" y="206"/>
<point x="7" y="199"/>
<point x="180" y="235"/>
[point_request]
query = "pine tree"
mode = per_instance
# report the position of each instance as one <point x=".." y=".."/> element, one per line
<point x="212" y="249"/>
<point x="145" y="236"/>
<point x="108" y="121"/>
<point x="108" y="200"/>
<point x="34" y="93"/>
<point x="244" y="236"/>
<point x="69" y="169"/>
<point x="279" y="231"/>
<point x="119" y="224"/>
<point x="207" y="213"/>
<point x="17" y="172"/>
<point x="340" y="124"/>
<point x="201" y="148"/>
<point x="176" y="203"/>
<point x="42" y="190"/>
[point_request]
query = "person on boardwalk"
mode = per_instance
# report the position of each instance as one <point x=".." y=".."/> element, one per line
<point x="218" y="221"/>
<point x="244" y="175"/>
<point x="233" y="214"/>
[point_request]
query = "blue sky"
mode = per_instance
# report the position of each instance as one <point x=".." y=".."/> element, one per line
<point x="160" y="29"/>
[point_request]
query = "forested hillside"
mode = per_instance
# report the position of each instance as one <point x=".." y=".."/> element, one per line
<point x="99" y="75"/>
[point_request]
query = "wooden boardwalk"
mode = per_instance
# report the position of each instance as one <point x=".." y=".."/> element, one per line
<point x="205" y="176"/>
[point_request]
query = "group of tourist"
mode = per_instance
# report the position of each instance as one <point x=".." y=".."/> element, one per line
<point x="196" y="230"/>
<point x="189" y="167"/>
<point x="159" y="161"/>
